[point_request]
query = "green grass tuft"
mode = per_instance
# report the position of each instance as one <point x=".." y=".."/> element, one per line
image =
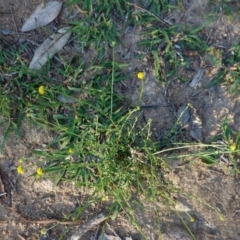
<point x="98" y="144"/>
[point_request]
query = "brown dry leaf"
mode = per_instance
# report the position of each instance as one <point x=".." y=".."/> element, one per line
<point x="49" y="47"/>
<point x="42" y="16"/>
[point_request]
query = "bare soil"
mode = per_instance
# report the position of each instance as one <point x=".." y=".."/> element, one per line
<point x="36" y="203"/>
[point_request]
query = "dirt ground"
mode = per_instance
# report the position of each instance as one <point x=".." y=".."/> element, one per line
<point x="36" y="204"/>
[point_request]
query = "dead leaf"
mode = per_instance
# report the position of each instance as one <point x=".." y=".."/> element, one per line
<point x="42" y="16"/>
<point x="65" y="99"/>
<point x="91" y="223"/>
<point x="49" y="47"/>
<point x="197" y="78"/>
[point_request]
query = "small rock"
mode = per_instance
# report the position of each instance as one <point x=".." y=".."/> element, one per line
<point x="5" y="31"/>
<point x="195" y="125"/>
<point x="108" y="237"/>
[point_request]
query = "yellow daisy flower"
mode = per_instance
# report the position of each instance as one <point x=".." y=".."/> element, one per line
<point x="222" y="218"/>
<point x="20" y="169"/>
<point x="233" y="147"/>
<point x="192" y="219"/>
<point x="41" y="90"/>
<point x="140" y="75"/>
<point x="104" y="199"/>
<point x="70" y="150"/>
<point x="43" y="231"/>
<point x="39" y="171"/>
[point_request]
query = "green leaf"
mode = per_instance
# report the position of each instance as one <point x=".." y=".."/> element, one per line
<point x="116" y="212"/>
<point x="16" y="129"/>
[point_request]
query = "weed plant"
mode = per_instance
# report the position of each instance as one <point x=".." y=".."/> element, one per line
<point x="98" y="145"/>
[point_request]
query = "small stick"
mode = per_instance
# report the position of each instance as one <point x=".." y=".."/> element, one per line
<point x="80" y="10"/>
<point x="112" y="230"/>
<point x="145" y="10"/>
<point x="20" y="237"/>
<point x="49" y="221"/>
<point x="15" y="26"/>
<point x="8" y="185"/>
<point x="88" y="226"/>
<point x="9" y="196"/>
<point x="7" y="179"/>
<point x="97" y="233"/>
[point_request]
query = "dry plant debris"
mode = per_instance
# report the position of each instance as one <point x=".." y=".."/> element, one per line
<point x="42" y="16"/>
<point x="49" y="48"/>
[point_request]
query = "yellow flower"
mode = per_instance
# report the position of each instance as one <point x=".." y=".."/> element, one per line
<point x="233" y="147"/>
<point x="41" y="90"/>
<point x="39" y="171"/>
<point x="20" y="169"/>
<point x="192" y="219"/>
<point x="43" y="231"/>
<point x="222" y="218"/>
<point x="104" y="199"/>
<point x="140" y="75"/>
<point x="70" y="150"/>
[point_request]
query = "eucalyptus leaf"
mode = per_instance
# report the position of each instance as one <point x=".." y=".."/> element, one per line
<point x="197" y="78"/>
<point x="66" y="99"/>
<point x="49" y="47"/>
<point x="42" y="16"/>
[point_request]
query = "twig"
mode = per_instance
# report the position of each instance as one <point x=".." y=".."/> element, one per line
<point x="9" y="196"/>
<point x="8" y="185"/>
<point x="80" y="10"/>
<point x="97" y="233"/>
<point x="148" y="107"/>
<point x="88" y="226"/>
<point x="49" y="221"/>
<point x="6" y="178"/>
<point x="20" y="237"/>
<point x="15" y="26"/>
<point x="152" y="106"/>
<point x="145" y="10"/>
<point x="112" y="230"/>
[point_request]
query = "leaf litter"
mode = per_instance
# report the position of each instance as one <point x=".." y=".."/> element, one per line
<point x="197" y="78"/>
<point x="184" y="181"/>
<point x="42" y="16"/>
<point x="66" y="99"/>
<point x="49" y="48"/>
